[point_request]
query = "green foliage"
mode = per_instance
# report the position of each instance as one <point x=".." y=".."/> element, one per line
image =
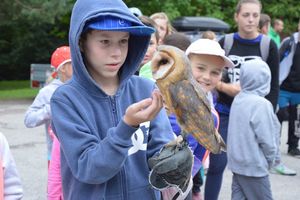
<point x="12" y="85"/>
<point x="32" y="29"/>
<point x="16" y="90"/>
<point x="25" y="93"/>
<point x="286" y="10"/>
<point x="175" y="8"/>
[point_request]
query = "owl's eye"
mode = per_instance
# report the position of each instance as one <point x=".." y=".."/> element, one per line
<point x="163" y="62"/>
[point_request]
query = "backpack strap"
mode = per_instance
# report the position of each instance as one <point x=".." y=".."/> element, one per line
<point x="291" y="43"/>
<point x="228" y="42"/>
<point x="287" y="59"/>
<point x="265" y="47"/>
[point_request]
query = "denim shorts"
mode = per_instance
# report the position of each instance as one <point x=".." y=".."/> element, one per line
<point x="287" y="98"/>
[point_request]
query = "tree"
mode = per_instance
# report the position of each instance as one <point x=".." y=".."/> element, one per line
<point x="287" y="10"/>
<point x="30" y="30"/>
<point x="29" y="33"/>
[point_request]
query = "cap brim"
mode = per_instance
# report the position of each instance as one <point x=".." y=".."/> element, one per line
<point x="228" y="62"/>
<point x="133" y="30"/>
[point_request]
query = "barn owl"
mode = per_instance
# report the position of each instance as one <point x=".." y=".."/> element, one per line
<point x="184" y="97"/>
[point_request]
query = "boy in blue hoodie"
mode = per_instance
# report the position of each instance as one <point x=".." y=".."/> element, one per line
<point x="108" y="121"/>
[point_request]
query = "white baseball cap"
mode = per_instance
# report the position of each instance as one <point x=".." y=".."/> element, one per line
<point x="208" y="47"/>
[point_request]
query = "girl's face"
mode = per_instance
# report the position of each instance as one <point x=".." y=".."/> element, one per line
<point x="105" y="53"/>
<point x="162" y="27"/>
<point x="151" y="50"/>
<point x="207" y="70"/>
<point x="248" y="19"/>
<point x="66" y="71"/>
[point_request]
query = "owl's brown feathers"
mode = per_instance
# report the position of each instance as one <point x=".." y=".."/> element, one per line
<point x="184" y="97"/>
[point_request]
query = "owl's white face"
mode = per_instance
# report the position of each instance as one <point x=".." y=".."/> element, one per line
<point x="162" y="64"/>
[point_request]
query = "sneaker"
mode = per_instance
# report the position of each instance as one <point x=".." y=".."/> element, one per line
<point x="294" y="152"/>
<point x="282" y="170"/>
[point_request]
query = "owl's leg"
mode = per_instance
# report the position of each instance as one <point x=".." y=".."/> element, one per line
<point x="175" y="142"/>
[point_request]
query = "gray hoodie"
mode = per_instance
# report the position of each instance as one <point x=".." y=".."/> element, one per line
<point x="253" y="126"/>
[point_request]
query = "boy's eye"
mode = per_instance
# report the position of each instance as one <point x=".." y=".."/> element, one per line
<point x="124" y="41"/>
<point x="104" y="42"/>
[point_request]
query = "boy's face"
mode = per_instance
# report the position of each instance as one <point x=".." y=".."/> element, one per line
<point x="207" y="70"/>
<point x="279" y="27"/>
<point x="105" y="53"/>
<point x="151" y="50"/>
<point x="248" y="19"/>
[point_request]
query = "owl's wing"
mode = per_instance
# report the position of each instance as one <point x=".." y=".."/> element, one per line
<point x="193" y="113"/>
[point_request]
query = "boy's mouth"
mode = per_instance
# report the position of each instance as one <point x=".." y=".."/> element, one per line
<point x="113" y="66"/>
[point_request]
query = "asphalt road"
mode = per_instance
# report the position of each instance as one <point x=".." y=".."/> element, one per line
<point x="28" y="147"/>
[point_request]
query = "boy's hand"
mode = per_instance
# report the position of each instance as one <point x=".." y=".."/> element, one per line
<point x="144" y="110"/>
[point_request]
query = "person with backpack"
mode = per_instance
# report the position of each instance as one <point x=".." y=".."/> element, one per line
<point x="289" y="95"/>
<point x="246" y="44"/>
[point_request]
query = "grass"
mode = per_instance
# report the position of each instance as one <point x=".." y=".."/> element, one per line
<point x="17" y="90"/>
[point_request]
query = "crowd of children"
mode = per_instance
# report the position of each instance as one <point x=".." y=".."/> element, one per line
<point x="103" y="122"/>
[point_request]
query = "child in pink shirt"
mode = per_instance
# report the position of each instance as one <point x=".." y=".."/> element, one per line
<point x="61" y="59"/>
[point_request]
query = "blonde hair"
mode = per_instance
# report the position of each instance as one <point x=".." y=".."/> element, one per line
<point x="147" y="21"/>
<point x="241" y="2"/>
<point x="209" y="35"/>
<point x="162" y="15"/>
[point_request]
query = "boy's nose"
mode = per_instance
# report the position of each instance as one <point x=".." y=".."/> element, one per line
<point x="116" y="51"/>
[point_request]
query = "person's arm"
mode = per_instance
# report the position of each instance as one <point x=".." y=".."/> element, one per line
<point x="39" y="111"/>
<point x="231" y="89"/>
<point x="266" y="127"/>
<point x="83" y="148"/>
<point x="273" y="62"/>
<point x="12" y="184"/>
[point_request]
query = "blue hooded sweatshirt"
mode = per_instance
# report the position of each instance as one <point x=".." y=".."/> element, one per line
<point x="101" y="156"/>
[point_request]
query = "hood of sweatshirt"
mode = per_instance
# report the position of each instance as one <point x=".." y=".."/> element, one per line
<point x="255" y="77"/>
<point x="88" y="10"/>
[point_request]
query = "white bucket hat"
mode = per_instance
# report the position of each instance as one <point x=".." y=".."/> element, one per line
<point x="208" y="47"/>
